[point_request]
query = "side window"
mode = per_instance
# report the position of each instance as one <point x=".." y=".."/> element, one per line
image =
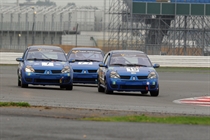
<point x="24" y="54"/>
<point x="107" y="59"/>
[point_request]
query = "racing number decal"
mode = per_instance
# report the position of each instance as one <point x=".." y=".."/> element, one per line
<point x="132" y="69"/>
<point x="85" y="63"/>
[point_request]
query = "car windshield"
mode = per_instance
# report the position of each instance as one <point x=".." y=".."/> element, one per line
<point x="130" y="59"/>
<point x="46" y="54"/>
<point x="86" y="55"/>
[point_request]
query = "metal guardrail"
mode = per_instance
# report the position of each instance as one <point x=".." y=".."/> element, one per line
<point x="164" y="61"/>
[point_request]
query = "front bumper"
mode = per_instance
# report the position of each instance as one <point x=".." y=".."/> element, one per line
<point x="47" y="79"/>
<point x="133" y="85"/>
<point x="85" y="78"/>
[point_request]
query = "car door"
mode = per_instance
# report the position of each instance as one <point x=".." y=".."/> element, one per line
<point x="104" y="69"/>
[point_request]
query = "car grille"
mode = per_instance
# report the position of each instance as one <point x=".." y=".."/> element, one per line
<point x="78" y="71"/>
<point x="142" y="77"/>
<point x="52" y="81"/>
<point x="125" y="77"/>
<point x="92" y="71"/>
<point x="56" y="71"/>
<point x="39" y="71"/>
<point x="28" y="79"/>
<point x="133" y="86"/>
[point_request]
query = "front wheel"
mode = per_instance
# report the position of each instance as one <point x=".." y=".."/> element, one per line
<point x="69" y="87"/>
<point x="24" y="85"/>
<point x="19" y="82"/>
<point x="107" y="91"/>
<point x="100" y="89"/>
<point x="154" y="93"/>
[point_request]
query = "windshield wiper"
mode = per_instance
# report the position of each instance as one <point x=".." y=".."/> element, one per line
<point x="35" y="59"/>
<point x="87" y="60"/>
<point x="41" y="59"/>
<point x="136" y="65"/>
<point x="50" y="59"/>
<point x="118" y="64"/>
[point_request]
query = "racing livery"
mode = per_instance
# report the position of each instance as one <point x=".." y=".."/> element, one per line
<point x="85" y="63"/>
<point x="44" y="65"/>
<point x="128" y="70"/>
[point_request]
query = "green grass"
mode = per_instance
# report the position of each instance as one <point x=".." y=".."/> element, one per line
<point x="18" y="104"/>
<point x="191" y="120"/>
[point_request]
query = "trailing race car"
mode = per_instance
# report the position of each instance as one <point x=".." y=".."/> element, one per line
<point x="128" y="70"/>
<point x="44" y="65"/>
<point x="85" y="63"/>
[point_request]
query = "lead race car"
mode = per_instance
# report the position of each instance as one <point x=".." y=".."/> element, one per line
<point x="128" y="70"/>
<point x="85" y="63"/>
<point x="44" y="65"/>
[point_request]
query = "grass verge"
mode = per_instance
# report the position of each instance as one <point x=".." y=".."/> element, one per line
<point x="191" y="120"/>
<point x="19" y="104"/>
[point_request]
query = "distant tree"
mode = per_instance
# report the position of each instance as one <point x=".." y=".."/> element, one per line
<point x="90" y="7"/>
<point x="45" y="3"/>
<point x="29" y="0"/>
<point x="71" y="4"/>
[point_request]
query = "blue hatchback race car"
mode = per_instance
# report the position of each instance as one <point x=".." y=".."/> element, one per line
<point x="44" y="65"/>
<point x="85" y="63"/>
<point x="128" y="70"/>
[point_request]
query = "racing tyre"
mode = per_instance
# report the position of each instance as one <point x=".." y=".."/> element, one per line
<point x="106" y="89"/>
<point x="100" y="89"/>
<point x="19" y="82"/>
<point x="24" y="85"/>
<point x="154" y="93"/>
<point x="69" y="87"/>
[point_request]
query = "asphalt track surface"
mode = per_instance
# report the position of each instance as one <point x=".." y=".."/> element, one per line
<point x="173" y="86"/>
<point x="19" y="124"/>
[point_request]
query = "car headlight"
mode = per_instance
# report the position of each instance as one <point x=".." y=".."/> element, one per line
<point x="66" y="69"/>
<point x="152" y="75"/>
<point x="29" y="69"/>
<point x="114" y="74"/>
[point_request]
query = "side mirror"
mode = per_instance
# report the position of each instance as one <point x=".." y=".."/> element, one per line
<point x="71" y="60"/>
<point x="156" y="66"/>
<point x="102" y="65"/>
<point x="19" y="59"/>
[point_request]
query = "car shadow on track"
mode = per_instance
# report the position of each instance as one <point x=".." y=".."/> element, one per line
<point x="129" y="94"/>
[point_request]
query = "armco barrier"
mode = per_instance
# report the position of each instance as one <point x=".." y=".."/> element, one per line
<point x="163" y="60"/>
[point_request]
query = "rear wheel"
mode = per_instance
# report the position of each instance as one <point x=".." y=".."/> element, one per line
<point x="107" y="91"/>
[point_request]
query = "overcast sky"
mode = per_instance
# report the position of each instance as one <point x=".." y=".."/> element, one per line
<point x="98" y="3"/>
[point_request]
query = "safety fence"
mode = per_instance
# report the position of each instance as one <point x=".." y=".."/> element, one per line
<point x="163" y="60"/>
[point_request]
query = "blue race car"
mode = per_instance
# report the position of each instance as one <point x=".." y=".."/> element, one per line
<point x="85" y="63"/>
<point x="44" y="65"/>
<point x="128" y="70"/>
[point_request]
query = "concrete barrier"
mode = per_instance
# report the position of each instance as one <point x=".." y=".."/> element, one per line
<point x="163" y="60"/>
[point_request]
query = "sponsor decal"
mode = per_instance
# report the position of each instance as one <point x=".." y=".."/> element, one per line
<point x="132" y="69"/>
<point x="47" y="64"/>
<point x="85" y="63"/>
<point x="198" y="101"/>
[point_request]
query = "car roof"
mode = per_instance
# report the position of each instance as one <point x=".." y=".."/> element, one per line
<point x="125" y="51"/>
<point x="86" y="48"/>
<point x="45" y="46"/>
